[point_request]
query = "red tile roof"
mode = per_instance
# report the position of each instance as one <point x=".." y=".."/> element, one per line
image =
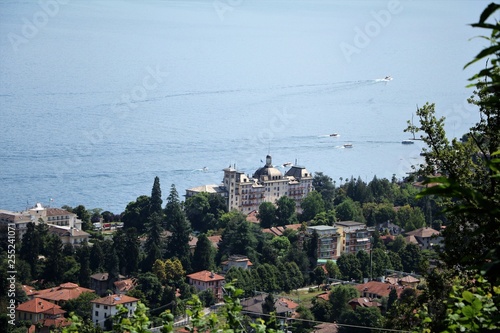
<point x="215" y="240"/>
<point x="114" y="300"/>
<point x="125" y="285"/>
<point x="380" y="289"/>
<point x="64" y="292"/>
<point x="36" y="305"/>
<point x="29" y="290"/>
<point x="205" y="276"/>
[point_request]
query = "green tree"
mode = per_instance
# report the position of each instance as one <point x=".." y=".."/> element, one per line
<point x="96" y="258"/>
<point x="155" y="203"/>
<point x="204" y="255"/>
<point x="368" y="318"/>
<point x="285" y="211"/>
<point x="306" y="320"/>
<point x="267" y="215"/>
<point x="411" y="258"/>
<point x="83" y="256"/>
<point x="319" y="275"/>
<point x="312" y="205"/>
<point x="349" y="266"/>
<point x="178" y="242"/>
<point x="324" y="186"/>
<point x="136" y="214"/>
<point x="238" y="238"/>
<point x="30" y="248"/>
<point x="197" y="208"/>
<point x="332" y="269"/>
<point x="348" y="210"/>
<point x="54" y="265"/>
<point x="81" y="305"/>
<point x="83" y="214"/>
<point x="339" y="298"/>
<point x="154" y="244"/>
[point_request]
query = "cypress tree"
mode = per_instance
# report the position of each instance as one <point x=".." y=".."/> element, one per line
<point x="178" y="242"/>
<point x="155" y="204"/>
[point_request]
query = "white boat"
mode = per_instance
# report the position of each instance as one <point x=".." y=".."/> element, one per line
<point x="407" y="142"/>
<point x="348" y="145"/>
<point x="334" y="135"/>
<point x="287" y="164"/>
<point x="388" y="78"/>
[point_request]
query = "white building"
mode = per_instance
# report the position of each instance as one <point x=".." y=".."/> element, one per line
<point x="245" y="193"/>
<point x="106" y="307"/>
<point x="61" y="222"/>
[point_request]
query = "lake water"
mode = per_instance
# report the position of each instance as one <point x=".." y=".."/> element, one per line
<point x="99" y="97"/>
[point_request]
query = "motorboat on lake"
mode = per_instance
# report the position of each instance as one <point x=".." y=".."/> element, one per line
<point x="407" y="142"/>
<point x="348" y="145"/>
<point x="388" y="78"/>
<point x="335" y="135"/>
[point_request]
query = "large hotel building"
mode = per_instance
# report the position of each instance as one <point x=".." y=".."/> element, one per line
<point x="245" y="193"/>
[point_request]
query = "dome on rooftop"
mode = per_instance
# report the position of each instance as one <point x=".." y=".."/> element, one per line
<point x="268" y="171"/>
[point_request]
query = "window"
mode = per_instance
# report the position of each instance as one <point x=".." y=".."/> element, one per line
<point x="106" y="307"/>
<point x="97" y="313"/>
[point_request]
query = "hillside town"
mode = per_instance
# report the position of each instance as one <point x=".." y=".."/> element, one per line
<point x="178" y="250"/>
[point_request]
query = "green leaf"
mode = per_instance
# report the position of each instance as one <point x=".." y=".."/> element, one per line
<point x="468" y="296"/>
<point x="492" y="7"/>
<point x="468" y="311"/>
<point x="477" y="305"/>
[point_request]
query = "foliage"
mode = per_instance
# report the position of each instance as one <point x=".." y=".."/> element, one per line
<point x="204" y="255"/>
<point x="136" y="214"/>
<point x="339" y="298"/>
<point x="81" y="305"/>
<point x="324" y="185"/>
<point x="285" y="211"/>
<point x="312" y="205"/>
<point x="178" y="242"/>
<point x="267" y="215"/>
<point x="155" y="203"/>
<point x="473" y="309"/>
<point x="365" y="317"/>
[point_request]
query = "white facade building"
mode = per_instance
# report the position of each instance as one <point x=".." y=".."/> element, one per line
<point x="61" y="222"/>
<point x="106" y="307"/>
<point x="245" y="193"/>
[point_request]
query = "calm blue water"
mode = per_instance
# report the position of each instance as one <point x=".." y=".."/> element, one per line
<point x="99" y="97"/>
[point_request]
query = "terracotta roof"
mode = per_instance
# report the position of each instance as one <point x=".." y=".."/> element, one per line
<point x="54" y="311"/>
<point x="64" y="292"/>
<point x="363" y="302"/>
<point x="54" y="322"/>
<point x="36" y="305"/>
<point x="409" y="279"/>
<point x="423" y="232"/>
<point x="57" y="212"/>
<point x="411" y="239"/>
<point x="205" y="276"/>
<point x="29" y="290"/>
<point x="114" y="300"/>
<point x="125" y="285"/>
<point x="289" y="303"/>
<point x="277" y="231"/>
<point x="215" y="240"/>
<point x="380" y="289"/>
<point x="325" y="296"/>
<point x="252" y="217"/>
